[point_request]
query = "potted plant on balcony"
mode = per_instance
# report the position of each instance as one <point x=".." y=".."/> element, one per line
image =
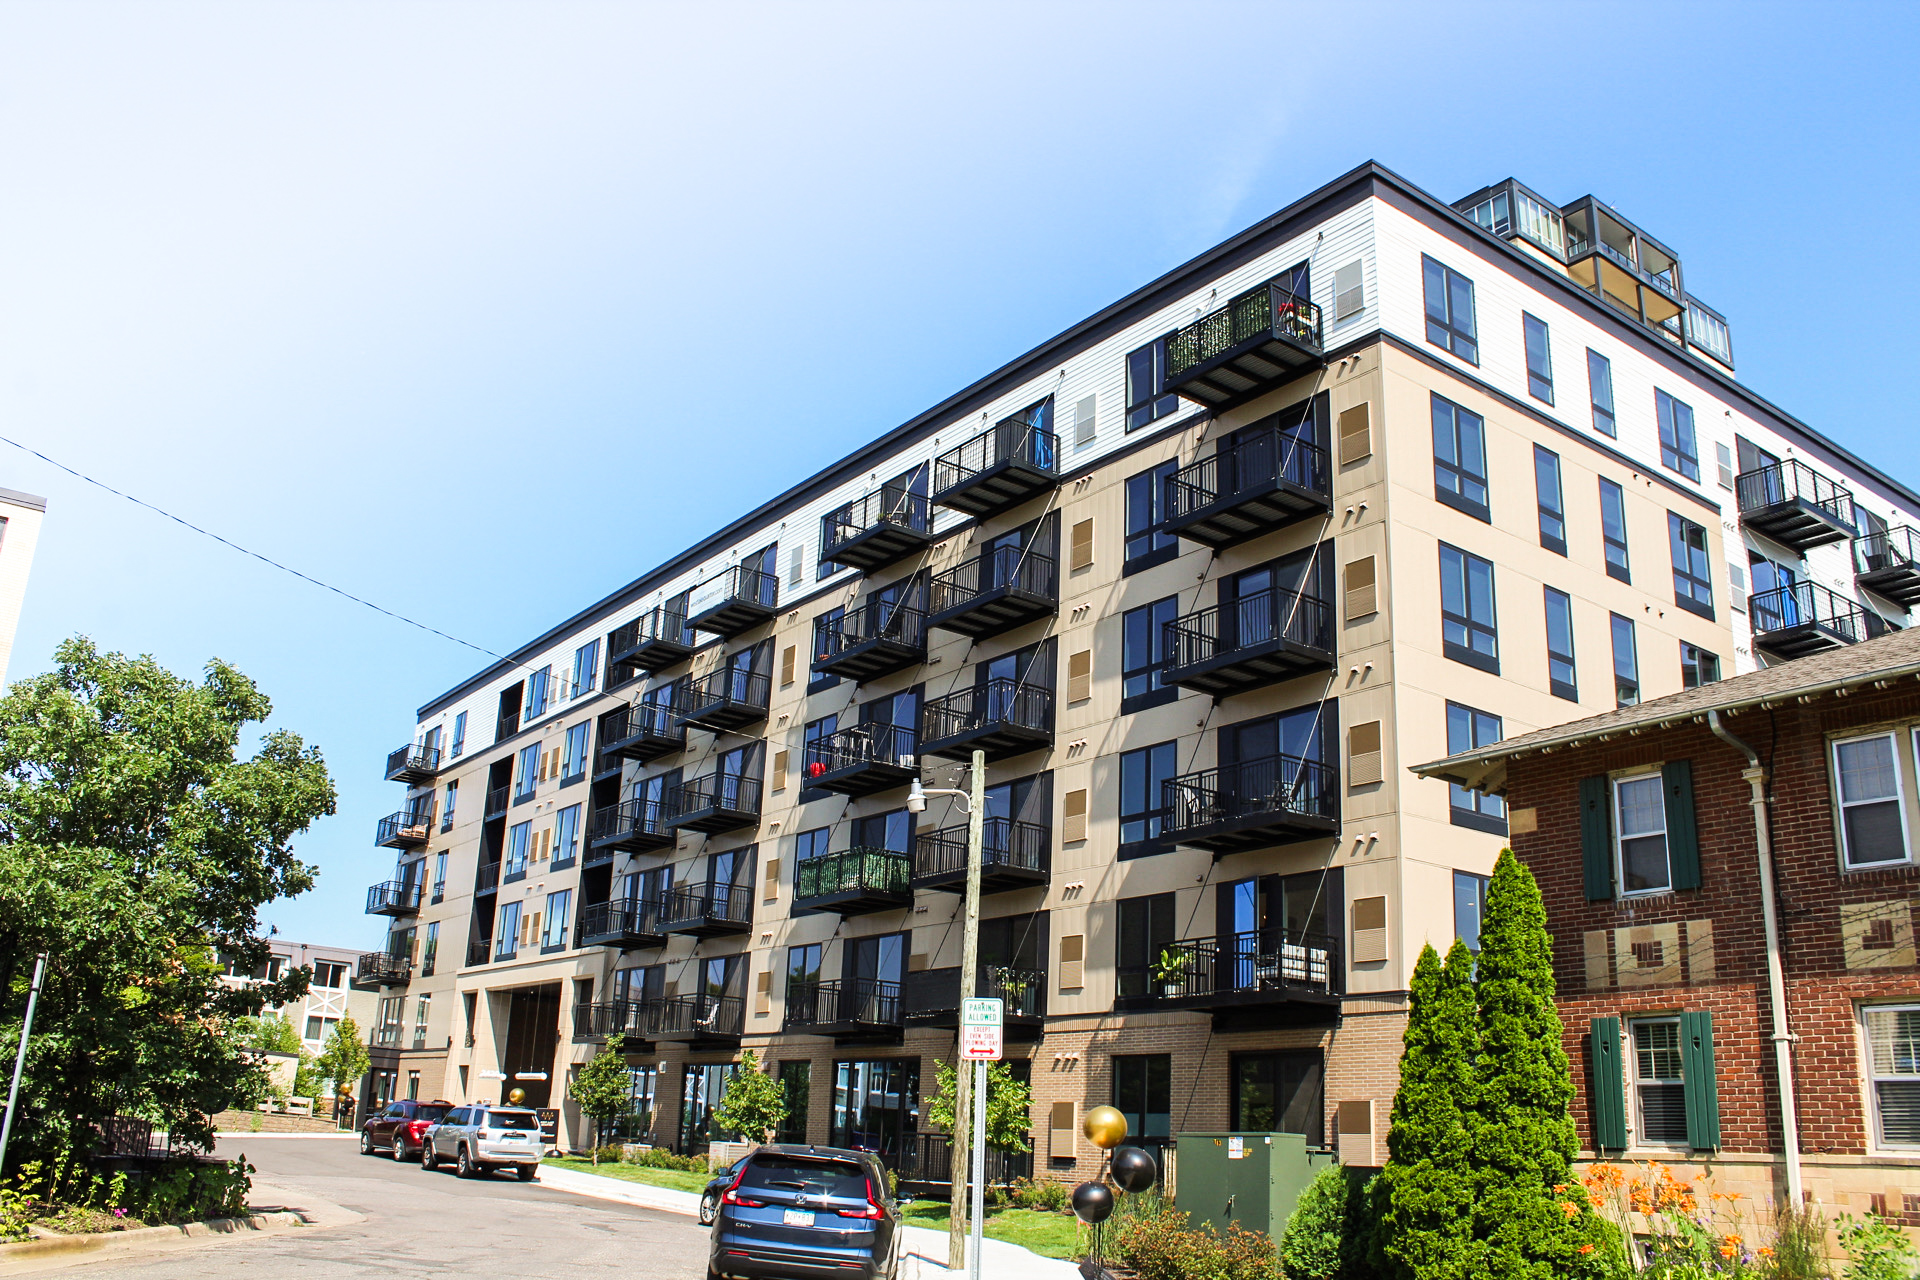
<point x="1170" y="970"/>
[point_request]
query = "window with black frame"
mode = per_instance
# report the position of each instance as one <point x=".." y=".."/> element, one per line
<point x="796" y="1086"/>
<point x="1460" y="459"/>
<point x="1147" y="395"/>
<point x="1449" y="302"/>
<point x="1553" y="505"/>
<point x="1143" y="812"/>
<point x="1600" y="391"/>
<point x="1468" y="729"/>
<point x="1678" y="449"/>
<point x="1147" y="933"/>
<point x="1467" y="625"/>
<point x="1143" y="655"/>
<point x="1469" y="907"/>
<point x="1562" y="680"/>
<point x="1147" y="541"/>
<point x="1697" y="666"/>
<point x="876" y="1106"/>
<point x="1613" y="529"/>
<point x="1143" y="1093"/>
<point x="1539" y="358"/>
<point x="1280" y="1092"/>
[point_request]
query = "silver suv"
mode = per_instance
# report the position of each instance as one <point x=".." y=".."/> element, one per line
<point x="480" y="1138"/>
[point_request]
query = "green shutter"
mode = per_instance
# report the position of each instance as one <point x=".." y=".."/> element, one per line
<point x="1596" y="838"/>
<point x="1609" y="1087"/>
<point x="1683" y="834"/>
<point x="1703" y="1090"/>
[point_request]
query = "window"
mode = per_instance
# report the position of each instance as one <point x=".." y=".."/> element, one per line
<point x="1553" y="506"/>
<point x="876" y="1106"/>
<point x="506" y="932"/>
<point x="1147" y="542"/>
<point x="529" y="770"/>
<point x="803" y="965"/>
<point x="1466" y="730"/>
<point x="702" y="1087"/>
<point x="447" y="805"/>
<point x="1697" y="666"/>
<point x="413" y="1077"/>
<point x="1678" y="452"/>
<point x="586" y="669"/>
<point x="539" y="691"/>
<point x="1460" y="459"/>
<point x="421" y="1010"/>
<point x="430" y="949"/>
<point x="459" y="733"/>
<point x="1450" y="311"/>
<point x="1539" y="358"/>
<point x="1466" y="609"/>
<point x="387" y="1032"/>
<point x="1600" y="389"/>
<point x="439" y="876"/>
<point x="566" y="836"/>
<point x="1469" y="907"/>
<point x="796" y="1084"/>
<point x="1142" y="651"/>
<point x="519" y="838"/>
<point x="1626" y="663"/>
<point x="1146" y="930"/>
<point x="1147" y="394"/>
<point x="331" y="974"/>
<point x="1613" y="528"/>
<point x="1641" y="841"/>
<point x="1143" y="1093"/>
<point x="1873" y="827"/>
<point x="559" y="909"/>
<point x="1893" y="1068"/>
<point x="1659" y="1087"/>
<point x="321" y="1028"/>
<point x="573" y="759"/>
<point x="1560" y="669"/>
<point x="1692" y="580"/>
<point x="1142" y="806"/>
<point x="1279" y="1093"/>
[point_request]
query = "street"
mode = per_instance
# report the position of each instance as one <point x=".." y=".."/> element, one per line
<point x="419" y="1223"/>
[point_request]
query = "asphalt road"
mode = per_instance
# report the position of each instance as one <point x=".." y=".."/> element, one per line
<point x="427" y="1224"/>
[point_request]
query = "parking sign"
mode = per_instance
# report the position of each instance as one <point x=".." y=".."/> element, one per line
<point x="982" y="1022"/>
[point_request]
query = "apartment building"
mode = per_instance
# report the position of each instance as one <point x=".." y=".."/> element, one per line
<point x="336" y="990"/>
<point x="20" y="517"/>
<point x="1374" y="481"/>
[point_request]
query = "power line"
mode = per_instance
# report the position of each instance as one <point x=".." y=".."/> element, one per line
<point x="268" y="560"/>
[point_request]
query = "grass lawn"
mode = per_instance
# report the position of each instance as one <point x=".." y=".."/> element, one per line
<point x="1051" y="1235"/>
<point x="672" y="1179"/>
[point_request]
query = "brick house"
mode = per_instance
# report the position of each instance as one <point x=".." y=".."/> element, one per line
<point x="1640" y="826"/>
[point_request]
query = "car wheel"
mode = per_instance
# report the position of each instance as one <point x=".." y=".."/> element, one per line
<point x="464" y="1167"/>
<point x="709" y="1209"/>
<point x="366" y="1143"/>
<point x="428" y="1161"/>
<point x="399" y="1149"/>
<point x="527" y="1172"/>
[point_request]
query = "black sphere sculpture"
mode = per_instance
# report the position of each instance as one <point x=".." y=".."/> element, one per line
<point x="1092" y="1202"/>
<point x="1133" y="1169"/>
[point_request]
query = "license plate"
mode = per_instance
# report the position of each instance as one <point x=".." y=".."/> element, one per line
<point x="797" y="1218"/>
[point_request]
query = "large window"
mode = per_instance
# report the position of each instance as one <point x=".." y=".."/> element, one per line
<point x="1280" y="1093"/>
<point x="1893" y="1069"/>
<point x="1143" y="1093"/>
<point x="1640" y="841"/>
<point x="573" y="757"/>
<point x="1692" y="579"/>
<point x="1613" y="529"/>
<point x="539" y="693"/>
<point x="876" y="1106"/>
<point x="701" y="1090"/>
<point x="586" y="669"/>
<point x="1450" y="310"/>
<point x="1147" y="929"/>
<point x="1142" y="806"/>
<point x="519" y="841"/>
<point x="1539" y="358"/>
<point x="1697" y="666"/>
<point x="1659" y="1082"/>
<point x="1460" y="459"/>
<point x="1626" y="663"/>
<point x="1561" y="677"/>
<point x="1142" y="650"/>
<point x="529" y="773"/>
<point x="506" y="932"/>
<point x="796" y="1083"/>
<point x="1600" y="388"/>
<point x="1147" y="394"/>
<point x="1466" y="609"/>
<point x="553" y="936"/>
<point x="1466" y="730"/>
<point x="1147" y="542"/>
<point x="1678" y="451"/>
<point x="566" y="836"/>
<point x="1873" y="825"/>
<point x="1469" y="907"/>
<point x="1553" y="505"/>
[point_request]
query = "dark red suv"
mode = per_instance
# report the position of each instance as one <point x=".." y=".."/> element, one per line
<point x="401" y="1127"/>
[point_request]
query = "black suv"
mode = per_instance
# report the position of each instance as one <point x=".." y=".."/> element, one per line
<point x="797" y="1212"/>
<point x="399" y="1126"/>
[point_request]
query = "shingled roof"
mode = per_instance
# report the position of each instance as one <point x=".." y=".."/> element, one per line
<point x="1890" y="657"/>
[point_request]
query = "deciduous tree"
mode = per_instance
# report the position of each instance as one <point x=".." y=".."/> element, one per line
<point x="754" y="1105"/>
<point x="604" y="1090"/>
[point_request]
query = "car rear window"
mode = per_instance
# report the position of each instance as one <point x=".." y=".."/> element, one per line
<point x="839" y="1178"/>
<point x="430" y="1113"/>
<point x="512" y="1120"/>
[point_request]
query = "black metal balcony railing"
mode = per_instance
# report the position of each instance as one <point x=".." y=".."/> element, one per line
<point x="407" y="828"/>
<point x="1253" y="803"/>
<point x="624" y="923"/>
<point x="498" y="799"/>
<point x="927" y="1160"/>
<point x="697" y="1018"/>
<point x="1002" y="717"/>
<point x="1803" y="618"/>
<point x="657" y="638"/>
<point x="1792" y="503"/>
<point x="994" y="592"/>
<point x="394" y="898"/>
<point x="715" y="802"/>
<point x="1265" y="480"/>
<point x="707" y="910"/>
<point x="869" y="641"/>
<point x="414" y="763"/>
<point x="1887" y="563"/>
<point x="487" y="878"/>
<point x="932" y="996"/>
<point x="854" y="881"/>
<point x="741" y="598"/>
<point x="380" y="968"/>
<point x="863" y="758"/>
<point x="1005" y="465"/>
<point x="1264" y="337"/>
<point x="439" y="891"/>
<point x="728" y="699"/>
<point x="843" y="1006"/>
<point x="632" y="824"/>
<point x="600" y="1020"/>
<point x="872" y="532"/>
<point x="1260" y="966"/>
<point x="1256" y="640"/>
<point x="1013" y="855"/>
<point x="479" y="951"/>
<point x="647" y="730"/>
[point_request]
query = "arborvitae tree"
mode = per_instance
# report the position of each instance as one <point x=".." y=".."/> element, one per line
<point x="1426" y="1232"/>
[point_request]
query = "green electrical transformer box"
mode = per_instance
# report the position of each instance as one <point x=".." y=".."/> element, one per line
<point x="1253" y="1179"/>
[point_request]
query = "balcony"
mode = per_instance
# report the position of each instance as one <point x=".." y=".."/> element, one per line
<point x="487" y="878"/>
<point x="854" y="882"/>
<point x="1002" y="467"/>
<point x="1254" y="804"/>
<point x="378" y="969"/>
<point x="498" y="799"/>
<point x="873" y="640"/>
<point x="862" y="759"/>
<point x="856" y="1010"/>
<point x="1795" y="505"/>
<point x="996" y="592"/>
<point x="727" y="701"/>
<point x="624" y="1022"/>
<point x="1803" y="618"/>
<point x="407" y="829"/>
<point x="1888" y="564"/>
<point x="1013" y="855"/>
<point x="873" y="532"/>
<point x="634" y="825"/>
<point x="708" y="910"/>
<point x="1264" y="978"/>
<point x="622" y="925"/>
<point x="1263" y="338"/>
<point x="1257" y="640"/>
<point x="394" y="898"/>
<point x="1266" y="481"/>
<point x="644" y="731"/>
<point x="414" y="763"/>
<point x="1003" y="717"/>
<point x="698" y="1021"/>
<point x="654" y="641"/>
<point x="738" y="600"/>
<point x="1631" y="270"/>
<point x="932" y="998"/>
<point x="716" y="802"/>
<point x="479" y="951"/>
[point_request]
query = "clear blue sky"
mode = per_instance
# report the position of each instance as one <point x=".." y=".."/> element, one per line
<point x="480" y="311"/>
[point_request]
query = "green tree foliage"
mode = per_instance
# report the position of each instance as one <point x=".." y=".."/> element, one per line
<point x="136" y="848"/>
<point x="754" y="1105"/>
<point x="1329" y="1235"/>
<point x="1009" y="1105"/>
<point x="604" y="1091"/>
<point x="344" y="1057"/>
<point x="271" y="1033"/>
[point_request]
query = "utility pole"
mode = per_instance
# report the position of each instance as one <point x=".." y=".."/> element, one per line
<point x="20" y="1059"/>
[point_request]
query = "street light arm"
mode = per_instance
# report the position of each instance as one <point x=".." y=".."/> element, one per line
<point x="917" y="797"/>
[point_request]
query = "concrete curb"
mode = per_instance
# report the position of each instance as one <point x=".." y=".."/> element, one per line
<point x="250" y="1134"/>
<point x="141" y="1239"/>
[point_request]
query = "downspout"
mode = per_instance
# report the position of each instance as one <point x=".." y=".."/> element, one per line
<point x="1756" y="777"/>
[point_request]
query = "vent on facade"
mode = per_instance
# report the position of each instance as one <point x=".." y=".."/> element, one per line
<point x="1080" y="676"/>
<point x="1363" y="754"/>
<point x="780" y="769"/>
<point x="1355" y="1120"/>
<point x="1361" y="600"/>
<point x="1062" y="1133"/>
<point x="1736" y="587"/>
<point x="1356" y="433"/>
<point x="1726" y="464"/>
<point x="796" y="567"/>
<point x="1369" y="930"/>
<point x="1083" y="424"/>
<point x="788" y="657"/>
<point x="1073" y="957"/>
<point x="770" y="881"/>
<point x="1080" y="554"/>
<point x="1349" y="291"/>
<point x="763" y="991"/>
<point x="1073" y="817"/>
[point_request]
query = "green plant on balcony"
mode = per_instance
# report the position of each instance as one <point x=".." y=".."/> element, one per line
<point x="1170" y="970"/>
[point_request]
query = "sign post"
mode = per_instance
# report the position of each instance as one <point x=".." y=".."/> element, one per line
<point x="983" y="1022"/>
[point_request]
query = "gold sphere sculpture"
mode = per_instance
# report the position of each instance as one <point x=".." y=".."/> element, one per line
<point x="1105" y="1127"/>
<point x="516" y="1096"/>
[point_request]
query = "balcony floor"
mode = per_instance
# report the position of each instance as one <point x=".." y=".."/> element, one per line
<point x="995" y="610"/>
<point x="878" y="546"/>
<point x="706" y="926"/>
<point x="645" y="746"/>
<point x="1797" y="523"/>
<point x="848" y="1031"/>
<point x="1247" y="1010"/>
<point x="1256" y="831"/>
<point x="1899" y="583"/>
<point x="1801" y="639"/>
<point x="1253" y="666"/>
<point x="995" y="877"/>
<point x="731" y="617"/>
<point x="1004" y="485"/>
<point x="871" y="659"/>
<point x="654" y="654"/>
<point x="713" y="818"/>
<point x="625" y="939"/>
<point x="859" y="901"/>
<point x="635" y="841"/>
<point x="726" y="715"/>
<point x="1248" y="369"/>
<point x="998" y="738"/>
<point x="1249" y="513"/>
<point x="865" y="778"/>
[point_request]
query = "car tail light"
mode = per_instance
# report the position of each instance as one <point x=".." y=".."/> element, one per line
<point x="872" y="1209"/>
<point x="732" y="1194"/>
<point x="418" y="1129"/>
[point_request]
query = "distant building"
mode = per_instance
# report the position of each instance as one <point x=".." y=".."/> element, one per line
<point x="20" y="516"/>
<point x="331" y="996"/>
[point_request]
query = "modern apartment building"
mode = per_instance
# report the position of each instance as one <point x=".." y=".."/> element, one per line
<point x="335" y="992"/>
<point x="20" y="517"/>
<point x="1378" y="480"/>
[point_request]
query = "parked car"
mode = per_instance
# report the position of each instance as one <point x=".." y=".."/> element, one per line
<point x="796" y="1212"/>
<point x="710" y="1198"/>
<point x="400" y="1128"/>
<point x="479" y="1138"/>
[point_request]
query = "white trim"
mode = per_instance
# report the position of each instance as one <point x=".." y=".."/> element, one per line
<point x="1619" y="834"/>
<point x="1867" y="1077"/>
<point x="1840" y="804"/>
<point x="1639" y="1137"/>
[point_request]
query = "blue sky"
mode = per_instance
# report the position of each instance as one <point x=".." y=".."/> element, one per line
<point x="482" y="310"/>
